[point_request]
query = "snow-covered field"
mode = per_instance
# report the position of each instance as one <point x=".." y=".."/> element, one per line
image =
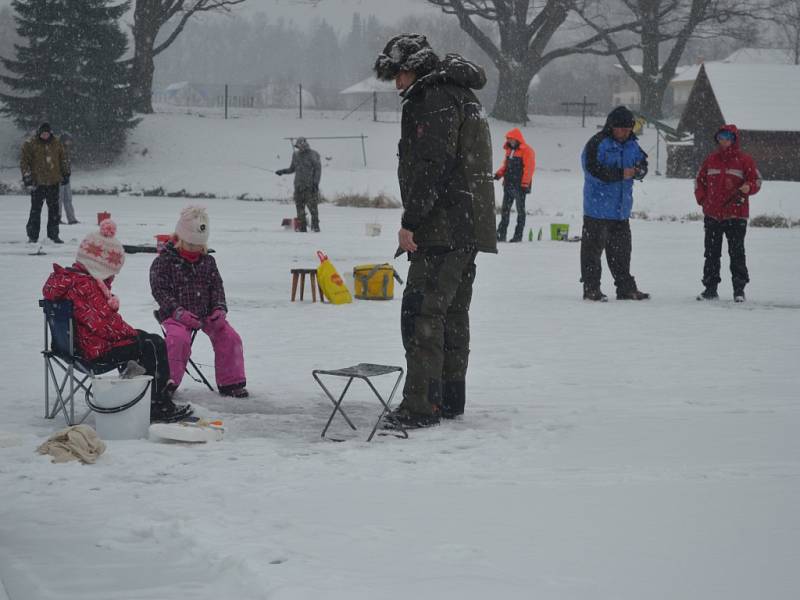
<point x="619" y="451"/>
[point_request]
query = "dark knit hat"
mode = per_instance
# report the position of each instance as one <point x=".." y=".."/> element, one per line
<point x="44" y="127"/>
<point x="620" y="117"/>
<point x="406" y="52"/>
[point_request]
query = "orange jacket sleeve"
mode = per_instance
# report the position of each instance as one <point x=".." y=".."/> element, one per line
<point x="528" y="166"/>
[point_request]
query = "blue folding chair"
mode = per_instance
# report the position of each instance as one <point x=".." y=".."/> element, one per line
<point x="60" y="351"/>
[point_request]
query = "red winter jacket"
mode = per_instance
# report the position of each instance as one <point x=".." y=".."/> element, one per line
<point x="723" y="172"/>
<point x="98" y="327"/>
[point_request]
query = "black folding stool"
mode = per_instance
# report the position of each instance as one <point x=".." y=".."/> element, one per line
<point x="362" y="371"/>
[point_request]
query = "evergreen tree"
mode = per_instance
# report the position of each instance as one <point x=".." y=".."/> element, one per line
<point x="69" y="71"/>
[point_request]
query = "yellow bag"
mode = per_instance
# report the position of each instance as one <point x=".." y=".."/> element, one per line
<point x="375" y="282"/>
<point x="331" y="282"/>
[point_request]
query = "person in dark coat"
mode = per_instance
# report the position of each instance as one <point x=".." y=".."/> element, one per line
<point x="44" y="166"/>
<point x="611" y="160"/>
<point x="724" y="184"/>
<point x="307" y="170"/>
<point x="445" y="176"/>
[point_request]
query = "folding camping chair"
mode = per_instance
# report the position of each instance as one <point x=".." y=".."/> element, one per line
<point x="191" y="363"/>
<point x="363" y="371"/>
<point x="59" y="351"/>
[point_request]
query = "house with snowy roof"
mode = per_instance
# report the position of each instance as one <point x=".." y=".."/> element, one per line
<point x="760" y="99"/>
<point x="681" y="84"/>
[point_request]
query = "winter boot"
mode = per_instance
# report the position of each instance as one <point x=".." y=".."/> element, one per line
<point x="453" y="399"/>
<point x="633" y="295"/>
<point x="234" y="391"/>
<point x="738" y="296"/>
<point x="57" y="240"/>
<point x="594" y="294"/>
<point x="402" y="418"/>
<point x="710" y="293"/>
<point x="166" y="411"/>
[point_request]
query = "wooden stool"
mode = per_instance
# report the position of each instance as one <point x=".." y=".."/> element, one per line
<point x="300" y="275"/>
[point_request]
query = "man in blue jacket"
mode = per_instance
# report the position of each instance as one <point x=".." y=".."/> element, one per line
<point x="611" y="160"/>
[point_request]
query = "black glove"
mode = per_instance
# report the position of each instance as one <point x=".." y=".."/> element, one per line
<point x="280" y="172"/>
<point x="497" y="177"/>
<point x="65" y="180"/>
<point x="526" y="190"/>
<point x="27" y="180"/>
<point x="315" y="188"/>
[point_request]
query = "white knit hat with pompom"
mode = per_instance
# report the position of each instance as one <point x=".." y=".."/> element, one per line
<point x="193" y="225"/>
<point x="101" y="253"/>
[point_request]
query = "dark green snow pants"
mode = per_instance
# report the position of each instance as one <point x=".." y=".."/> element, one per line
<point x="307" y="198"/>
<point x="435" y="326"/>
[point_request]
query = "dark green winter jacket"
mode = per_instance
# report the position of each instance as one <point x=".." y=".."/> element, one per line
<point x="445" y="153"/>
<point x="46" y="162"/>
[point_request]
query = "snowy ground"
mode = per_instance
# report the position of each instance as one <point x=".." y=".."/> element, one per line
<point x="614" y="452"/>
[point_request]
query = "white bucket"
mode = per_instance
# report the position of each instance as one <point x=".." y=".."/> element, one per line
<point x="373" y="229"/>
<point x="110" y="393"/>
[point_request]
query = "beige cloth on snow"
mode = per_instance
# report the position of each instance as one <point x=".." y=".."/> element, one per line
<point x="79" y="442"/>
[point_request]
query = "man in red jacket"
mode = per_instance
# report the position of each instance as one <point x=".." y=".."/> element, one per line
<point x="724" y="184"/>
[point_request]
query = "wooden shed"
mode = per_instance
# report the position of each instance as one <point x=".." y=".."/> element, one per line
<point x="761" y="100"/>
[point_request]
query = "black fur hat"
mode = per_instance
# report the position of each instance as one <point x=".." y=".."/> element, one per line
<point x="406" y="52"/>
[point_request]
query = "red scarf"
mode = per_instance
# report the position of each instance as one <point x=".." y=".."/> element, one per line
<point x="192" y="257"/>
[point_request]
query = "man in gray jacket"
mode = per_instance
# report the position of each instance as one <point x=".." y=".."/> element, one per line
<point x="307" y="171"/>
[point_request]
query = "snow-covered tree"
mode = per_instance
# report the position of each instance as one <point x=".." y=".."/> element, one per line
<point x="149" y="18"/>
<point x="68" y="70"/>
<point x="517" y="34"/>
<point x="663" y="30"/>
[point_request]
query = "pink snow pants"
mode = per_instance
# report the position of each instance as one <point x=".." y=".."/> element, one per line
<point x="227" y="345"/>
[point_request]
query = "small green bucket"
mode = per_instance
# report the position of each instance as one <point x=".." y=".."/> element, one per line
<point x="559" y="231"/>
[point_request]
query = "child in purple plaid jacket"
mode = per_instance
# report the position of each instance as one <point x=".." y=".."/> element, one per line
<point x="187" y="285"/>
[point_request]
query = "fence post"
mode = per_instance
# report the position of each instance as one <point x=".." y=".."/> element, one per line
<point x="226" y="100"/>
<point x="364" y="149"/>
<point x="583" y="113"/>
<point x="300" y="98"/>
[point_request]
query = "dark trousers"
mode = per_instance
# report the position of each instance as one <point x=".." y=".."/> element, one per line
<point x="615" y="238"/>
<point x="512" y="195"/>
<point x="434" y="321"/>
<point x="735" y="230"/>
<point x="307" y="198"/>
<point x="39" y="195"/>
<point x="150" y="351"/>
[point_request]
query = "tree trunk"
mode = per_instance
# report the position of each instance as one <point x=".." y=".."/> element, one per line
<point x="512" y="95"/>
<point x="145" y="30"/>
<point x="652" y="93"/>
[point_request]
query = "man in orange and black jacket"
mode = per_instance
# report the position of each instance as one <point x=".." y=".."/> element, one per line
<point x="517" y="174"/>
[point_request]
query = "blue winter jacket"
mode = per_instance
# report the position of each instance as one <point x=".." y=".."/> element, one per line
<point x="606" y="195"/>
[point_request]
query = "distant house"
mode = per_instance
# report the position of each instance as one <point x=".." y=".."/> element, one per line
<point x="624" y="90"/>
<point x="761" y="100"/>
<point x="681" y="84"/>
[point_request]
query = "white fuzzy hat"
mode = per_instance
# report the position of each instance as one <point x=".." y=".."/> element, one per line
<point x="193" y="225"/>
<point x="101" y="253"/>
